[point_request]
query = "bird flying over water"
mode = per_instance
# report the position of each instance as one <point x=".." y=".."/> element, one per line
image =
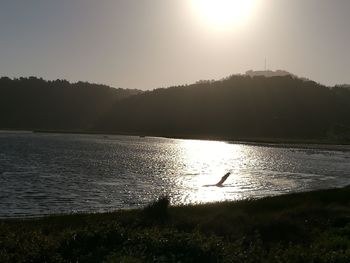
<point x="222" y="180"/>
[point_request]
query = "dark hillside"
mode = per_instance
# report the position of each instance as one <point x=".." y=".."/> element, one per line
<point x="237" y="107"/>
<point x="33" y="103"/>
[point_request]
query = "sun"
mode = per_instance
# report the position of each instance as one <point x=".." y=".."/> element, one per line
<point x="224" y="13"/>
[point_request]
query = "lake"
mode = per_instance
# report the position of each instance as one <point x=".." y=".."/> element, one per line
<point x="42" y="174"/>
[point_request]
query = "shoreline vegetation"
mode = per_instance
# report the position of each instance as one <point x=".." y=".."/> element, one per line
<point x="298" y="227"/>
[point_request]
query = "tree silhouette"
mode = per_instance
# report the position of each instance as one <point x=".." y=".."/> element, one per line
<point x="33" y="103"/>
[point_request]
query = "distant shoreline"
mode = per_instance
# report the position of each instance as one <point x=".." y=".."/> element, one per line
<point x="268" y="142"/>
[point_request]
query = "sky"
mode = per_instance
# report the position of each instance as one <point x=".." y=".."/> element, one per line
<point x="147" y="44"/>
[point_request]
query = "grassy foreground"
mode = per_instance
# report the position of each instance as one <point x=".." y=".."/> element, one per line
<point x="305" y="227"/>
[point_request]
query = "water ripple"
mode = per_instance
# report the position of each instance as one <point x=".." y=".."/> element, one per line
<point x="42" y="174"/>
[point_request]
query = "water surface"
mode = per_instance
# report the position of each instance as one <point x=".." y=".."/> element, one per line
<point x="42" y="174"/>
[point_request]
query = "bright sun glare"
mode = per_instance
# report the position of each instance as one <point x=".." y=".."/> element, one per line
<point x="224" y="13"/>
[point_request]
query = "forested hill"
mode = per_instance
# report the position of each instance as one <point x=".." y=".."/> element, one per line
<point x="33" y="103"/>
<point x="236" y="107"/>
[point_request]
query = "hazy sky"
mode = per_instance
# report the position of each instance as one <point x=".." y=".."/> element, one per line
<point x="148" y="44"/>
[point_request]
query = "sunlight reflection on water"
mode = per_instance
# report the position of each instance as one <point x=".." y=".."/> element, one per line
<point x="59" y="173"/>
<point x="208" y="160"/>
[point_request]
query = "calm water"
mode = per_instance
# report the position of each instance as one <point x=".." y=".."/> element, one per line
<point x="42" y="174"/>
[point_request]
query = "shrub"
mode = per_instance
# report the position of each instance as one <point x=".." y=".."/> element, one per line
<point x="158" y="209"/>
